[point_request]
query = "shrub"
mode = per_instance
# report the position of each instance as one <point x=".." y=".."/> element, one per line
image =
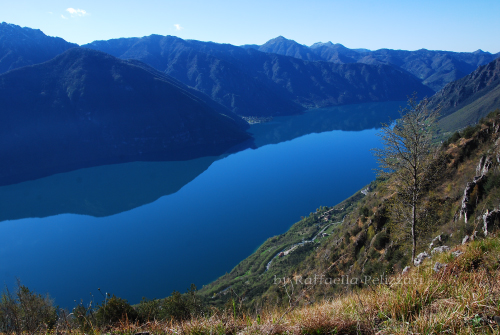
<point x="381" y="240"/>
<point x="26" y="311"/>
<point x="114" y="310"/>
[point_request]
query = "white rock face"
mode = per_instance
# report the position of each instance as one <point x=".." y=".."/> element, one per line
<point x="439" y="250"/>
<point x="420" y="258"/>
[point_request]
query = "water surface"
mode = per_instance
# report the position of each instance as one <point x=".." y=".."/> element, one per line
<point x="147" y="228"/>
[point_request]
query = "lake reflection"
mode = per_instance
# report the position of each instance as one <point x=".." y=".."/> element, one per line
<point x="111" y="189"/>
<point x="145" y="229"/>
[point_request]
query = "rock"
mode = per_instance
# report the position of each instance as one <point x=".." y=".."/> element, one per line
<point x="484" y="166"/>
<point x="457" y="253"/>
<point x="405" y="270"/>
<point x="466" y="239"/>
<point x="439" y="250"/>
<point x="420" y="258"/>
<point x="489" y="219"/>
<point x="435" y="241"/>
<point x="481" y="170"/>
<point x="438" y="266"/>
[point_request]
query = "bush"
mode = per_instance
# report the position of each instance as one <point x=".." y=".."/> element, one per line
<point x="381" y="240"/>
<point x="452" y="139"/>
<point x="114" y="310"/>
<point x="26" y="311"/>
<point x="469" y="131"/>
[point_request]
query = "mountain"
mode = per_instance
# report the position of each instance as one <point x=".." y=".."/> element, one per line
<point x="467" y="100"/>
<point x="222" y="80"/>
<point x="254" y="83"/>
<point x="336" y="53"/>
<point x="434" y="68"/>
<point x="87" y="108"/>
<point x="25" y="46"/>
<point x="286" y="47"/>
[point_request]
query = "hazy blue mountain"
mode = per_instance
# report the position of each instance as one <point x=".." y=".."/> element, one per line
<point x="434" y="68"/>
<point x="467" y="100"/>
<point x="286" y="47"/>
<point x="336" y="53"/>
<point x="250" y="46"/>
<point x="254" y="83"/>
<point x="87" y="108"/>
<point x="25" y="46"/>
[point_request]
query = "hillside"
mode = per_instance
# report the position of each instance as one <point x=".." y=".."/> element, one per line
<point x="253" y="83"/>
<point x="466" y="101"/>
<point x="25" y="46"/>
<point x="86" y="108"/>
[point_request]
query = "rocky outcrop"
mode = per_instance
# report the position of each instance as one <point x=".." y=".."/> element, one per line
<point x="420" y="258"/>
<point x="436" y="241"/>
<point x="481" y="170"/>
<point x="439" y="250"/>
<point x="490" y="219"/>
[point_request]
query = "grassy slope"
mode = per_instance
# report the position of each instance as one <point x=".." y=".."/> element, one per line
<point x="462" y="298"/>
<point x="473" y="112"/>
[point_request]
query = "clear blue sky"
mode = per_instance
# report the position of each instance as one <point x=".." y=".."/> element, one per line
<point x="397" y="24"/>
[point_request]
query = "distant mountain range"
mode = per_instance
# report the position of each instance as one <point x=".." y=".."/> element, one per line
<point x="249" y="82"/>
<point x="86" y="108"/>
<point x="254" y="83"/>
<point x="434" y="68"/>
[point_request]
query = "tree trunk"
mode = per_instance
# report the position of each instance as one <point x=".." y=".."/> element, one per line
<point x="413" y="233"/>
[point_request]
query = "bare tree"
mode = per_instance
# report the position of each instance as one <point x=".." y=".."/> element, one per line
<point x="407" y="156"/>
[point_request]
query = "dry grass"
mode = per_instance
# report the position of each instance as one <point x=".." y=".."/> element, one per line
<point x="463" y="298"/>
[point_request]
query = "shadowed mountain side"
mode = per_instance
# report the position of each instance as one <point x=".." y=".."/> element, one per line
<point x="86" y="108"/>
<point x="99" y="191"/>
<point x="222" y="80"/>
<point x="254" y="83"/>
<point x="467" y="100"/>
<point x="347" y="118"/>
<point x="25" y="46"/>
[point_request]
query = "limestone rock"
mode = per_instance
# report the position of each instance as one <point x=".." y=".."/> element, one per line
<point x="420" y="258"/>
<point x="438" y="266"/>
<point x="439" y="250"/>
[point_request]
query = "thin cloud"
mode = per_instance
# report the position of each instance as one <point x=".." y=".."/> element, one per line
<point x="77" y="12"/>
<point x="64" y="17"/>
<point x="178" y="26"/>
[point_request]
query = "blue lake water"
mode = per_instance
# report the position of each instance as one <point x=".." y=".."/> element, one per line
<point x="148" y="228"/>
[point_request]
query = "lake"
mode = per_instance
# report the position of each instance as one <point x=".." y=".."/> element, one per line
<point x="148" y="228"/>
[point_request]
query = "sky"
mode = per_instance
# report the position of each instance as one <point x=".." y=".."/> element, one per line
<point x="395" y="24"/>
